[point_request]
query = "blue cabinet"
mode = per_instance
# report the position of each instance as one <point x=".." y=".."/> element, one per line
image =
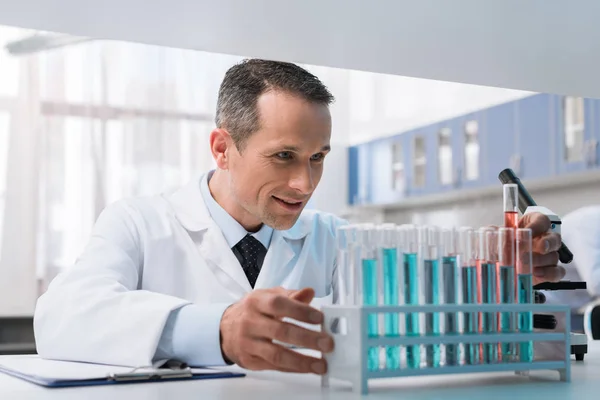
<point x="471" y="140"/>
<point x="353" y="162"/>
<point x="359" y="185"/>
<point x="381" y="172"/>
<point x="500" y="127"/>
<point x="574" y="121"/>
<point x="420" y="161"/>
<point x="538" y="136"/>
<point x="534" y="136"/>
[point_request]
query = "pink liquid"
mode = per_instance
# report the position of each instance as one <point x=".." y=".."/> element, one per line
<point x="511" y="219"/>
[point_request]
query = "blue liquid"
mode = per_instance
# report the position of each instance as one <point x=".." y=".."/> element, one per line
<point x="471" y="321"/>
<point x="507" y="320"/>
<point x="411" y="296"/>
<point x="432" y="320"/>
<point x="490" y="319"/>
<point x="450" y="281"/>
<point x="390" y="297"/>
<point x="370" y="299"/>
<point x="525" y="290"/>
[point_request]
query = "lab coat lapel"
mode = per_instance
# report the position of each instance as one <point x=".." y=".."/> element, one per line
<point x="281" y="262"/>
<point x="276" y="266"/>
<point x="215" y="250"/>
<point x="192" y="213"/>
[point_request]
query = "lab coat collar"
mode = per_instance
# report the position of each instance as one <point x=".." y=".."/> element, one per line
<point x="192" y="213"/>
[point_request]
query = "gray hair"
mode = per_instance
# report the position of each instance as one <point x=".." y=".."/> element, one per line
<point x="245" y="82"/>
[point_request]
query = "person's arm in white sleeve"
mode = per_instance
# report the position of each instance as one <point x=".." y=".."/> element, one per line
<point x="95" y="311"/>
<point x="584" y="243"/>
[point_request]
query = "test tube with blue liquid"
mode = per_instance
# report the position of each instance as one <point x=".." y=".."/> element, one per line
<point x="410" y="243"/>
<point x="525" y="290"/>
<point x="470" y="291"/>
<point x="367" y="240"/>
<point x="390" y="256"/>
<point x="432" y="289"/>
<point x="451" y="290"/>
<point x="506" y="291"/>
<point x="489" y="289"/>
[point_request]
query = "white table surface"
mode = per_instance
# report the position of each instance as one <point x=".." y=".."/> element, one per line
<point x="585" y="384"/>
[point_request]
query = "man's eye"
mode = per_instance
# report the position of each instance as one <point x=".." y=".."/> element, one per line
<point x="317" y="157"/>
<point x="284" y="155"/>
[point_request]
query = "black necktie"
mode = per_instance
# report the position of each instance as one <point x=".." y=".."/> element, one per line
<point x="250" y="253"/>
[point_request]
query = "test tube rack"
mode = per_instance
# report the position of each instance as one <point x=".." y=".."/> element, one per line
<point x="348" y="327"/>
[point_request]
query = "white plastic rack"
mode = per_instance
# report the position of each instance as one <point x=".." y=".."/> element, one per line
<point x="348" y="326"/>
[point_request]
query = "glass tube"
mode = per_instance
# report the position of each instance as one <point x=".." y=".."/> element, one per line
<point x="451" y="289"/>
<point x="346" y="237"/>
<point x="389" y="245"/>
<point x="470" y="291"/>
<point x="511" y="205"/>
<point x="489" y="290"/>
<point x="367" y="240"/>
<point x="525" y="290"/>
<point x="506" y="290"/>
<point x="409" y="239"/>
<point x="430" y="245"/>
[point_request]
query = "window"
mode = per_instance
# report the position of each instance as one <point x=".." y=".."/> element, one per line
<point x="574" y="126"/>
<point x="420" y="161"/>
<point x="445" y="156"/>
<point x="398" y="175"/>
<point x="472" y="150"/>
<point x="4" y="135"/>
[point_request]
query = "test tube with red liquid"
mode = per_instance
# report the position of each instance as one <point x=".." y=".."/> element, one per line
<point x="511" y="205"/>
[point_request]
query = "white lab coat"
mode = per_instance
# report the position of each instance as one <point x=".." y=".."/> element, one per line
<point x="149" y="256"/>
<point x="580" y="231"/>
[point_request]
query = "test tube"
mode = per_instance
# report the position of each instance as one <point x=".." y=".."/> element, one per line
<point x="489" y="289"/>
<point x="389" y="255"/>
<point x="525" y="289"/>
<point x="511" y="205"/>
<point x="450" y="278"/>
<point x="367" y="240"/>
<point x="506" y="292"/>
<point x="409" y="240"/>
<point x="431" y="253"/>
<point x="345" y="236"/>
<point x="470" y="291"/>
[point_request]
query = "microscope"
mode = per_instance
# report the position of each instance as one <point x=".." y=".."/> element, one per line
<point x="579" y="345"/>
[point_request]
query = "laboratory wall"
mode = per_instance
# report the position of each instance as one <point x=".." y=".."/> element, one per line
<point x="487" y="209"/>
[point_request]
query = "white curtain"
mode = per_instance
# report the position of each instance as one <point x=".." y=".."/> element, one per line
<point x="99" y="121"/>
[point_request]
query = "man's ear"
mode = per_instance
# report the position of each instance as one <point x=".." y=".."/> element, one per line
<point x="220" y="142"/>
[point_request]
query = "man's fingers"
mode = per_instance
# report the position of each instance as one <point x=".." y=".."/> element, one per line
<point x="287" y="360"/>
<point x="537" y="222"/>
<point x="305" y="295"/>
<point x="549" y="273"/>
<point x="289" y="333"/>
<point x="545" y="259"/>
<point x="546" y="243"/>
<point x="280" y="305"/>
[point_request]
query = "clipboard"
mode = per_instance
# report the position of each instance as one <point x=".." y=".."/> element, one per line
<point x="60" y="374"/>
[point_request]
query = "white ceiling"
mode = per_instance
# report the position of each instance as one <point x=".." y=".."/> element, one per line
<point x="535" y="45"/>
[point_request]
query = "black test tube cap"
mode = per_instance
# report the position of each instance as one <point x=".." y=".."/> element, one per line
<point x="525" y="200"/>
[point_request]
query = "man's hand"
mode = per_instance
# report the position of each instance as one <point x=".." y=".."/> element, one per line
<point x="545" y="248"/>
<point x="249" y="327"/>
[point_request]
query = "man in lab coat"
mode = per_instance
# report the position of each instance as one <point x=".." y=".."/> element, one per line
<point x="212" y="273"/>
